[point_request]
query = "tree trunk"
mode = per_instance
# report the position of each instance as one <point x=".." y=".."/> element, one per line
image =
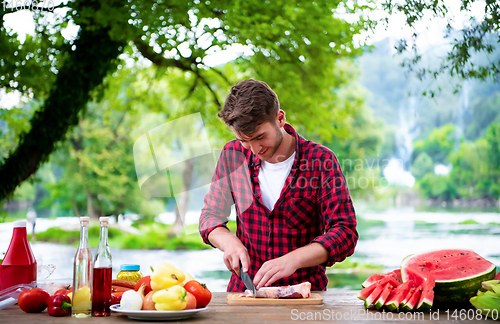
<point x="83" y="69"/>
<point x="183" y="201"/>
<point x="93" y="212"/>
<point x="75" y="208"/>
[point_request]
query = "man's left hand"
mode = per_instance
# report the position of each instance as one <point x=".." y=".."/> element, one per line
<point x="273" y="270"/>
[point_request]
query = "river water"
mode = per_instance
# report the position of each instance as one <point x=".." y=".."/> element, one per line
<point x="386" y="237"/>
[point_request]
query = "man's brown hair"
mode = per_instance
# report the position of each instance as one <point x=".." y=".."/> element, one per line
<point x="250" y="103"/>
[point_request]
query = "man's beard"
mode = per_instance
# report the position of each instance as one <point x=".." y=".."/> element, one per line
<point x="279" y="140"/>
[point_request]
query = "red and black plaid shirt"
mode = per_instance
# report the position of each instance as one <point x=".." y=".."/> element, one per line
<point x="314" y="206"/>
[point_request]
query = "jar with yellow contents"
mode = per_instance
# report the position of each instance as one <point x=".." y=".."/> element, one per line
<point x="129" y="272"/>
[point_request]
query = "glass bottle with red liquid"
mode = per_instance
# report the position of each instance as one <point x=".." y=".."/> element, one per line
<point x="19" y="264"/>
<point x="101" y="297"/>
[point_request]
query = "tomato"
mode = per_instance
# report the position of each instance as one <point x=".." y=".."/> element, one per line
<point x="147" y="281"/>
<point x="191" y="301"/>
<point x="63" y="291"/>
<point x="33" y="300"/>
<point x="200" y="291"/>
<point x="116" y="297"/>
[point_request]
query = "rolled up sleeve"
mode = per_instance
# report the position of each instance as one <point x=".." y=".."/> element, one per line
<point x="337" y="213"/>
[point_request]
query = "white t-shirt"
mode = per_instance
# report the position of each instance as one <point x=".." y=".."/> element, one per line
<point x="272" y="177"/>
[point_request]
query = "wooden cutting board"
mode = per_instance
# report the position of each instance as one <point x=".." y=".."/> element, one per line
<point x="235" y="299"/>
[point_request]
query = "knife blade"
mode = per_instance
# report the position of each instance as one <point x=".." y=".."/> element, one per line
<point x="245" y="277"/>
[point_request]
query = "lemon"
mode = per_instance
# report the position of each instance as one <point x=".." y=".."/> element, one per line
<point x="81" y="299"/>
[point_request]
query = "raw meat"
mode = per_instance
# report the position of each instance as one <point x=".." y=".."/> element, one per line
<point x="302" y="290"/>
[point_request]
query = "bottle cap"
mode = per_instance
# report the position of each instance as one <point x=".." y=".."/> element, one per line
<point x="84" y="220"/>
<point x="20" y="223"/>
<point x="104" y="220"/>
<point x="130" y="267"/>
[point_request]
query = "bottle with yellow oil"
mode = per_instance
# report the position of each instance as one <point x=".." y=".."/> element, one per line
<point x="82" y="274"/>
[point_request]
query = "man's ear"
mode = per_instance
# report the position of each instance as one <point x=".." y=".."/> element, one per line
<point x="280" y="118"/>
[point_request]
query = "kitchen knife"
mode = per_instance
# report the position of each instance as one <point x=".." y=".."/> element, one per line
<point x="247" y="281"/>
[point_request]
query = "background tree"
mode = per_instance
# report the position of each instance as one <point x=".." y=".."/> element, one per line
<point x="176" y="34"/>
<point x="476" y="35"/>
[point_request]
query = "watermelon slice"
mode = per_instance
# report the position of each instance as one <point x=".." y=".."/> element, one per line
<point x="427" y="296"/>
<point x="371" y="280"/>
<point x="396" y="274"/>
<point x="457" y="273"/>
<point x="383" y="296"/>
<point x="374" y="295"/>
<point x="407" y="297"/>
<point x="365" y="292"/>
<point x="497" y="276"/>
<point x="397" y="296"/>
<point x="412" y="302"/>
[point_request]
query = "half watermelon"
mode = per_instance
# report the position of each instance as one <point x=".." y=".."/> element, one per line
<point x="457" y="273"/>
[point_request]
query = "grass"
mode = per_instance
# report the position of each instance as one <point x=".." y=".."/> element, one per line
<point x="354" y="266"/>
<point x="468" y="222"/>
<point x="154" y="236"/>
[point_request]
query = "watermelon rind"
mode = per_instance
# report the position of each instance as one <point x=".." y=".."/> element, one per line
<point x="365" y="292"/>
<point x="427" y="296"/>
<point x="454" y="291"/>
<point x="374" y="295"/>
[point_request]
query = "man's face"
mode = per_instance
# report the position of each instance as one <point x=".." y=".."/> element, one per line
<point x="264" y="142"/>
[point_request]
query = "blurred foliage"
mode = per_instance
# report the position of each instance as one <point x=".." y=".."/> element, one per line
<point x="390" y="89"/>
<point x="475" y="172"/>
<point x="473" y="41"/>
<point x="438" y="146"/>
<point x="423" y="164"/>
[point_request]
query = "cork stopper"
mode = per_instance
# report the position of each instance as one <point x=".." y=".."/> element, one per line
<point x="104" y="221"/>
<point x="84" y="220"/>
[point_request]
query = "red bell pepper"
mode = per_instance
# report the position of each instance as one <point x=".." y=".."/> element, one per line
<point x="58" y="305"/>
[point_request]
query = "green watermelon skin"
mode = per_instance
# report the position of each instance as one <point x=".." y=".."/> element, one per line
<point x="459" y="293"/>
<point x="458" y="273"/>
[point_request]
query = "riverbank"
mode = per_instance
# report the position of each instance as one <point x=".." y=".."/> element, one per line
<point x="152" y="236"/>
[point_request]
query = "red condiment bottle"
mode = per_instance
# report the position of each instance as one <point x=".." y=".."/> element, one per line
<point x="19" y="264"/>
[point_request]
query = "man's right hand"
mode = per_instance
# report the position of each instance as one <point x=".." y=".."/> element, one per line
<point x="233" y="249"/>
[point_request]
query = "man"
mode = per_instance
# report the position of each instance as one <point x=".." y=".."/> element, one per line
<point x="294" y="212"/>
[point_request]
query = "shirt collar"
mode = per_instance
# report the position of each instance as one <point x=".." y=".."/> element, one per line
<point x="256" y="162"/>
